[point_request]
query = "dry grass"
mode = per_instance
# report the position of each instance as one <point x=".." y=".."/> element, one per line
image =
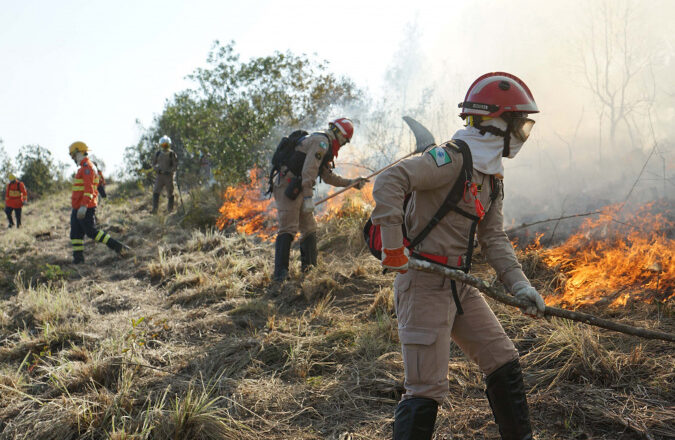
<point x="190" y="339"/>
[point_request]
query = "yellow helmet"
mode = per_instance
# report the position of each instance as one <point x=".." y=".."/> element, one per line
<point x="11" y="176"/>
<point x="78" y="146"/>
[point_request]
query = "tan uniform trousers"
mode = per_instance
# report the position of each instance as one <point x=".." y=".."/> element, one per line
<point x="289" y="212"/>
<point x="427" y="322"/>
<point x="164" y="181"/>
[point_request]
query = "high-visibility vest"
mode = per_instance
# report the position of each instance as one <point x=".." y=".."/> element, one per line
<point x="85" y="183"/>
<point x="15" y="194"/>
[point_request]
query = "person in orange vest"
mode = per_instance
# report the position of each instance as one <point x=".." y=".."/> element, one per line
<point x="15" y="197"/>
<point x="84" y="201"/>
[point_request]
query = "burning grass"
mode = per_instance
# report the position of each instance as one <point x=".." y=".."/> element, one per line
<point x="615" y="260"/>
<point x="246" y="208"/>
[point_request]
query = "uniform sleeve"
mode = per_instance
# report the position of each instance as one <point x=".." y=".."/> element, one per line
<point x="7" y="192"/>
<point x="24" y="194"/>
<point x="328" y="176"/>
<point x="154" y="159"/>
<point x="89" y="186"/>
<point x="421" y="173"/>
<point x="497" y="247"/>
<point x="174" y="161"/>
<point x="310" y="170"/>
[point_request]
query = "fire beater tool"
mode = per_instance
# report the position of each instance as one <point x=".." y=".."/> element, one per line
<point x="586" y="318"/>
<point x="423" y="139"/>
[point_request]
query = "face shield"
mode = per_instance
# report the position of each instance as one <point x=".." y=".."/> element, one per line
<point x="521" y="126"/>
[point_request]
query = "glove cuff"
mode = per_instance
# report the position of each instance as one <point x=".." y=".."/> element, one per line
<point x="398" y="252"/>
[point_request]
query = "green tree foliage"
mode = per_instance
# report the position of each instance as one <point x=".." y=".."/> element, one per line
<point x="5" y="163"/>
<point x="38" y="170"/>
<point x="238" y="110"/>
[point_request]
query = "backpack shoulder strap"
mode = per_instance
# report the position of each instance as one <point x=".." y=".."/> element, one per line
<point x="455" y="194"/>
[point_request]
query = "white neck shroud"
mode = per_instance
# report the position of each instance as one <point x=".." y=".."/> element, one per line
<point x="486" y="149"/>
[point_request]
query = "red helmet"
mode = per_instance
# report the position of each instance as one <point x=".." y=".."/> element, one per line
<point x="495" y="93"/>
<point x="344" y="126"/>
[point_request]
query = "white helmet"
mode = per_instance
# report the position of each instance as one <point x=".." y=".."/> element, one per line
<point x="165" y="141"/>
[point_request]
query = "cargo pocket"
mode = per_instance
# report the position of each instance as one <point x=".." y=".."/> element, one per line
<point x="419" y="355"/>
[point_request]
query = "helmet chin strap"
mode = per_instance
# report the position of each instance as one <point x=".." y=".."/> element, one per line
<point x="506" y="134"/>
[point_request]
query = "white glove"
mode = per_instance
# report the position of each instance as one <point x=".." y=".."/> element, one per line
<point x="524" y="291"/>
<point x="81" y="212"/>
<point x="307" y="204"/>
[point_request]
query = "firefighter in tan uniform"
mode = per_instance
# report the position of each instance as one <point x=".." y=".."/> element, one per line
<point x="312" y="158"/>
<point x="165" y="164"/>
<point x="433" y="310"/>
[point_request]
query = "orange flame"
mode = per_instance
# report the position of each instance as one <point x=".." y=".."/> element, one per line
<point x="614" y="262"/>
<point x="349" y="201"/>
<point x="247" y="209"/>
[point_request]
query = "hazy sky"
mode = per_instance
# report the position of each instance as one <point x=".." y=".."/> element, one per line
<point x="86" y="70"/>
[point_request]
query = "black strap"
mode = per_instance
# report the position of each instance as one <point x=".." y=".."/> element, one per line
<point x="453" y="197"/>
<point x="327" y="158"/>
<point x="495" y="185"/>
<point x="455" y="297"/>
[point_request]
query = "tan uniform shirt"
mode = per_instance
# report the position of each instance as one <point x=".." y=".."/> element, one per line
<point x="166" y="161"/>
<point x="316" y="146"/>
<point x="429" y="178"/>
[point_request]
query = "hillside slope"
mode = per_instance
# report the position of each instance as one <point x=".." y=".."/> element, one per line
<point x="189" y="339"/>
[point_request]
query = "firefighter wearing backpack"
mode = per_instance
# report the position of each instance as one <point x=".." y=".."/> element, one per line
<point x="165" y="163"/>
<point x="432" y="310"/>
<point x="84" y="201"/>
<point x="308" y="157"/>
<point x="15" y="197"/>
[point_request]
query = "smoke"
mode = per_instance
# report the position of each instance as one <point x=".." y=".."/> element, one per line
<point x="601" y="73"/>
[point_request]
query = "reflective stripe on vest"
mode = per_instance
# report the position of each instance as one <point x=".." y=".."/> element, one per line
<point x="78" y="185"/>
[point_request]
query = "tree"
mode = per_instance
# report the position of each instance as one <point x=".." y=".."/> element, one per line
<point x="238" y="110"/>
<point x="39" y="171"/>
<point x="617" y="70"/>
<point x="5" y="164"/>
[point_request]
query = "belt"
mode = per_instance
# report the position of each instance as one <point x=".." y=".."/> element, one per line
<point x="443" y="260"/>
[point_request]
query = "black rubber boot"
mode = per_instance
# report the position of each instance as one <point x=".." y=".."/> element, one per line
<point x="121" y="249"/>
<point x="169" y="204"/>
<point x="155" y="203"/>
<point x="78" y="257"/>
<point x="415" y="418"/>
<point x="506" y="394"/>
<point x="308" y="252"/>
<point x="282" y="254"/>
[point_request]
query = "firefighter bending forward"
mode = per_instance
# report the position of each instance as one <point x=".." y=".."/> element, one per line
<point x="429" y="317"/>
<point x="83" y="201"/>
<point x="312" y="158"/>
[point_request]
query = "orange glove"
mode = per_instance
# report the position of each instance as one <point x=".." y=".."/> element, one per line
<point x="395" y="259"/>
